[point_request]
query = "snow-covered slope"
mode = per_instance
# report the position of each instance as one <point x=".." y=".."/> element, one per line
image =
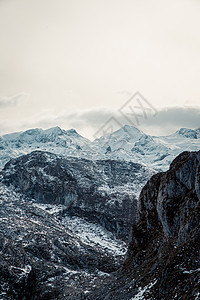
<point x="128" y="143"/>
<point x="55" y="140"/>
<point x="182" y="140"/>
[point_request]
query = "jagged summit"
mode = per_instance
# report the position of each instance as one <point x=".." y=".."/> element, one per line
<point x="130" y="129"/>
<point x="52" y="131"/>
<point x="55" y="139"/>
<point x="130" y="133"/>
<point x="189" y="133"/>
<point x="72" y="132"/>
<point x="36" y="132"/>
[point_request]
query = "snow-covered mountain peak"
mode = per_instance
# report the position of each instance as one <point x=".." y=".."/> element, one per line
<point x="53" y="131"/>
<point x="126" y="144"/>
<point x="72" y="132"/>
<point x="124" y="138"/>
<point x="188" y="133"/>
<point x="55" y="140"/>
<point x="129" y="132"/>
<point x="39" y="135"/>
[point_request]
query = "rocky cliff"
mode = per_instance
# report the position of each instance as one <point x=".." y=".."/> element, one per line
<point x="102" y="191"/>
<point x="163" y="258"/>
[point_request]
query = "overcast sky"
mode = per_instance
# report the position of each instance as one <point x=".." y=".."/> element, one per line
<point x="75" y="63"/>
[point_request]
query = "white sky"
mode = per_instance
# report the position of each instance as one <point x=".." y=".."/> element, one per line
<point x="66" y="56"/>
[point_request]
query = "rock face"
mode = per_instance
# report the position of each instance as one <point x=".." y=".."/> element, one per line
<point x="44" y="256"/>
<point x="176" y="194"/>
<point x="163" y="259"/>
<point x="103" y="192"/>
<point x="189" y="133"/>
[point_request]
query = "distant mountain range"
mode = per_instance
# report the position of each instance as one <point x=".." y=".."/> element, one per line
<point x="126" y="144"/>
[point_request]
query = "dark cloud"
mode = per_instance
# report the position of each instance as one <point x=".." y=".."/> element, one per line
<point x="171" y="119"/>
<point x="166" y="121"/>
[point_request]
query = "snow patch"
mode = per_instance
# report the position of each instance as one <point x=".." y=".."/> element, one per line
<point x="140" y="294"/>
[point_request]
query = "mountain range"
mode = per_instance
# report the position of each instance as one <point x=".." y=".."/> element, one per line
<point x="116" y="218"/>
<point x="126" y="144"/>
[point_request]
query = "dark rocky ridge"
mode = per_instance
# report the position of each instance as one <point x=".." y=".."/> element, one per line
<point x="42" y="259"/>
<point x="102" y="191"/>
<point x="163" y="259"/>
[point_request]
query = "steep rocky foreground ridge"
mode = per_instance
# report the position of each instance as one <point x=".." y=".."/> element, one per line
<point x="104" y="192"/>
<point x="163" y="258"/>
<point x="126" y="144"/>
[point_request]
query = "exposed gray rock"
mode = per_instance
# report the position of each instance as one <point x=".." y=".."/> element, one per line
<point x="41" y="258"/>
<point x="102" y="191"/>
<point x="163" y="259"/>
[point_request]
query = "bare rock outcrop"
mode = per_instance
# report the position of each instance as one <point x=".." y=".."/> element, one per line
<point x="163" y="258"/>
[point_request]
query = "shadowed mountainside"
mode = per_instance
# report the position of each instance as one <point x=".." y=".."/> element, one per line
<point x="163" y="258"/>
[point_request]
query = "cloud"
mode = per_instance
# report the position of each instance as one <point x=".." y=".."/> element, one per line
<point x="170" y="119"/>
<point x="13" y="100"/>
<point x="165" y="122"/>
<point x="166" y="118"/>
<point x="87" y="122"/>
